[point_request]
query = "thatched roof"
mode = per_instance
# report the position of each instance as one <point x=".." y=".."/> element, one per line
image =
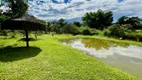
<point x="26" y="17"/>
<point x="26" y="22"/>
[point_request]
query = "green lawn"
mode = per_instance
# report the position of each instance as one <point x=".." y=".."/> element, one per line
<point x="48" y="59"/>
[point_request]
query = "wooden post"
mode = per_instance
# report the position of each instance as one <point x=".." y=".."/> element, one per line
<point x="46" y="28"/>
<point x="27" y="38"/>
<point x="35" y="34"/>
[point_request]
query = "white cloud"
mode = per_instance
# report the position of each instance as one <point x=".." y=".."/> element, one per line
<point x="47" y="10"/>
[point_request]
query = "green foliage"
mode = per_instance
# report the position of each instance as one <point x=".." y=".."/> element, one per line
<point x="137" y="26"/>
<point x="98" y="20"/>
<point x="61" y="22"/>
<point x="76" y="23"/>
<point x="134" y="21"/>
<point x="11" y="33"/>
<point x="106" y="32"/>
<point x="134" y="35"/>
<point x="3" y="33"/>
<point x="116" y="30"/>
<point x="100" y="32"/>
<point x="124" y="32"/>
<point x="18" y="8"/>
<point x="87" y="31"/>
<point x="61" y="27"/>
<point x="123" y="20"/>
<point x="70" y="29"/>
<point x="54" y="27"/>
<point x="126" y="27"/>
<point x="3" y="18"/>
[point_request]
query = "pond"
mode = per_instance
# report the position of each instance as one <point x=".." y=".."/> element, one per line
<point x="119" y="55"/>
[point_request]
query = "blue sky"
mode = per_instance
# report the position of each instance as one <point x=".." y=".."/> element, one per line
<point x="120" y="0"/>
<point x="74" y="9"/>
<point x="58" y="1"/>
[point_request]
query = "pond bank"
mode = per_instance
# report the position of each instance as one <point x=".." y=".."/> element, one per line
<point x="119" y="55"/>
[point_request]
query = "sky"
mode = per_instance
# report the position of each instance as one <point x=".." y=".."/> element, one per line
<point x="0" y="2"/>
<point x="73" y="10"/>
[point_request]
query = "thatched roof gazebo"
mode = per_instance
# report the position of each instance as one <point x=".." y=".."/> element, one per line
<point x="26" y="23"/>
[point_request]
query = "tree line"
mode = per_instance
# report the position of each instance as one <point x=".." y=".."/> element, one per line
<point x="93" y="23"/>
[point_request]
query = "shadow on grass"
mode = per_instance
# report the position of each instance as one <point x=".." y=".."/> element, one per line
<point x="9" y="54"/>
<point x="3" y="38"/>
<point x="30" y="39"/>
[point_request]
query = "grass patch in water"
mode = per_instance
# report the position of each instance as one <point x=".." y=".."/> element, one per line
<point x="99" y="44"/>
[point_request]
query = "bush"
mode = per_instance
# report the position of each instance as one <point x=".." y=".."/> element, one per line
<point x="70" y="29"/>
<point x="106" y="32"/>
<point x="95" y="32"/>
<point x="136" y="36"/>
<point x="117" y="30"/>
<point x="3" y="33"/>
<point x="64" y="29"/>
<point x="87" y="31"/>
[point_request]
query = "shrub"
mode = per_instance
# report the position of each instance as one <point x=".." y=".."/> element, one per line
<point x="106" y="32"/>
<point x="70" y="29"/>
<point x="95" y="32"/>
<point x="4" y="32"/>
<point x="87" y="31"/>
<point x="117" y="30"/>
<point x="136" y="36"/>
<point x="126" y="27"/>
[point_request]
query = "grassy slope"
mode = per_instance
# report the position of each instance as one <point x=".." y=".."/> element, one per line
<point x="54" y="62"/>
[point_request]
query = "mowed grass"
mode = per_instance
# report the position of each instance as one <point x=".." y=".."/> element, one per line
<point x="48" y="59"/>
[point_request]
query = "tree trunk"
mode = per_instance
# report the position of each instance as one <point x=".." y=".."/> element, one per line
<point x="27" y="38"/>
<point x="35" y="34"/>
<point x="46" y="29"/>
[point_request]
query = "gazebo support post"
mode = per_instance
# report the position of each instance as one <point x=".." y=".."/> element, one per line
<point x="35" y="34"/>
<point x="27" y="38"/>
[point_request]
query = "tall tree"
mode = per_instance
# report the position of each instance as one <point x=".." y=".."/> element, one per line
<point x="98" y="20"/>
<point x="134" y="21"/>
<point x="61" y="22"/>
<point x="18" y="8"/>
<point x="123" y="20"/>
<point x="76" y="23"/>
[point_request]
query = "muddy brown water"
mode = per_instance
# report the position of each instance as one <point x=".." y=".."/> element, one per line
<point x="119" y="55"/>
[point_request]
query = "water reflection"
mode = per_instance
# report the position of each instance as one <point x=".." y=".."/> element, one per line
<point x="123" y="56"/>
<point x="99" y="44"/>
